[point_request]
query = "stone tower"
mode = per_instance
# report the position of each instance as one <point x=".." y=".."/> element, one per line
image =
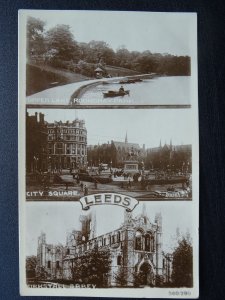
<point x="159" y="258"/>
<point x="88" y="226"/>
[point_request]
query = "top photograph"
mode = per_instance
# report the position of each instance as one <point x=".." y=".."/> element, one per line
<point x="107" y="59"/>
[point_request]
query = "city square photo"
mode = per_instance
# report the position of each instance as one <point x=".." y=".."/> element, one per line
<point x="99" y="58"/>
<point x="140" y="153"/>
<point x="151" y="247"/>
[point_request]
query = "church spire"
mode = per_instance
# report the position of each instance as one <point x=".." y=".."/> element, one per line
<point x="126" y="141"/>
<point x="160" y="144"/>
<point x="144" y="210"/>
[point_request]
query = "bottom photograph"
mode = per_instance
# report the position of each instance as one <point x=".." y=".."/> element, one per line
<point x="107" y="246"/>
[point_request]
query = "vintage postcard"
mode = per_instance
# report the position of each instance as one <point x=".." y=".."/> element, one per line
<point x="108" y="154"/>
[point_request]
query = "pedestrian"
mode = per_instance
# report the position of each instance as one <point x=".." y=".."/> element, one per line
<point x="82" y="186"/>
<point x="96" y="185"/>
<point x="129" y="183"/>
<point x="85" y="190"/>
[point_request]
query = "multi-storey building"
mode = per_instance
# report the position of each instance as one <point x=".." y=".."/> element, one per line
<point x="67" y="144"/>
<point x="36" y="143"/>
<point x="136" y="247"/>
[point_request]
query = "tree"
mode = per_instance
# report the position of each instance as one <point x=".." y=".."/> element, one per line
<point x="182" y="274"/>
<point x="60" y="41"/>
<point x="93" y="267"/>
<point x="121" y="276"/>
<point x="35" y="37"/>
<point x="31" y="263"/>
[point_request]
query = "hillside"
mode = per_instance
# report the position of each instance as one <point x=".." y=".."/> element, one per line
<point x="39" y="78"/>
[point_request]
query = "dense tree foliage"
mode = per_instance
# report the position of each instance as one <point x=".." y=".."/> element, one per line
<point x="182" y="275"/>
<point x="35" y="37"/>
<point x="59" y="48"/>
<point x="93" y="267"/>
<point x="31" y="263"/>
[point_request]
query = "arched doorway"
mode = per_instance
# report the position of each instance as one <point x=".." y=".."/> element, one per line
<point x="146" y="274"/>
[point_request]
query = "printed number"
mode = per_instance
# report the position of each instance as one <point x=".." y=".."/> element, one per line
<point x="179" y="293"/>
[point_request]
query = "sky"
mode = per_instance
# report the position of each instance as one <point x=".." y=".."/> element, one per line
<point x="138" y="31"/>
<point x="143" y="126"/>
<point x="58" y="218"/>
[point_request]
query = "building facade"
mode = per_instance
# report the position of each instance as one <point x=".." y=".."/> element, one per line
<point x="136" y="250"/>
<point x="128" y="152"/>
<point x="169" y="156"/>
<point x="36" y="143"/>
<point x="67" y="144"/>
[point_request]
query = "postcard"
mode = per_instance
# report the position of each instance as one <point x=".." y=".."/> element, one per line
<point x="108" y="154"/>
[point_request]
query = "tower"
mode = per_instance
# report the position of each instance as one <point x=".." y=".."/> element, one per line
<point x="159" y="259"/>
<point x="127" y="217"/>
<point x="88" y="226"/>
<point x="171" y="146"/>
<point x="126" y="140"/>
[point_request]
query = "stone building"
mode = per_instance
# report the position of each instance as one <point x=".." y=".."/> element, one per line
<point x="36" y="143"/>
<point x="67" y="144"/>
<point x="126" y="151"/>
<point x="136" y="248"/>
<point x="176" y="157"/>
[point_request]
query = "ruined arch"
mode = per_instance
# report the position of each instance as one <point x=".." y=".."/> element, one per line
<point x="146" y="273"/>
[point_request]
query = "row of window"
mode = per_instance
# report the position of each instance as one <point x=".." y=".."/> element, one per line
<point x="70" y="131"/>
<point x="144" y="242"/>
<point x="68" y="138"/>
<point x="61" y="151"/>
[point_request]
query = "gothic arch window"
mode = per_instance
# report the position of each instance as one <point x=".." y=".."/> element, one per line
<point x="119" y="260"/>
<point x="138" y="240"/>
<point x="152" y="244"/>
<point x="147" y="242"/>
<point x="118" y="236"/>
<point x="49" y="264"/>
<point x="68" y="251"/>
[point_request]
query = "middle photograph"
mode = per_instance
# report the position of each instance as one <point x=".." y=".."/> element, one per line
<point x="142" y="154"/>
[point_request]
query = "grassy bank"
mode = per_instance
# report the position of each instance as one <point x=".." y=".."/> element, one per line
<point x="39" y="78"/>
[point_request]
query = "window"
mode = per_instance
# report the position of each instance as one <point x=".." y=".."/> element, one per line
<point x="138" y="241"/>
<point x="147" y="242"/>
<point x="57" y="264"/>
<point x="113" y="239"/>
<point x="59" y="148"/>
<point x="119" y="260"/>
<point x="49" y="264"/>
<point x="118" y="236"/>
<point x="152" y="244"/>
<point x="68" y="251"/>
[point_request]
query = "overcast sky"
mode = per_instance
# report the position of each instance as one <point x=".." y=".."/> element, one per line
<point x="58" y="218"/>
<point x="143" y="126"/>
<point x="157" y="32"/>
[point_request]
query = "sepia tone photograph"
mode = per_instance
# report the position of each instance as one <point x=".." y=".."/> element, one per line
<point x="88" y="58"/>
<point x="148" y="247"/>
<point x="140" y="153"/>
<point x="108" y="185"/>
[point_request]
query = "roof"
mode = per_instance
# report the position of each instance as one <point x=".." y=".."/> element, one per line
<point x="98" y="70"/>
<point x="126" y="145"/>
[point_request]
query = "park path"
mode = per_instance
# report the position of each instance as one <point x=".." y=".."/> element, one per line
<point x="61" y="95"/>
